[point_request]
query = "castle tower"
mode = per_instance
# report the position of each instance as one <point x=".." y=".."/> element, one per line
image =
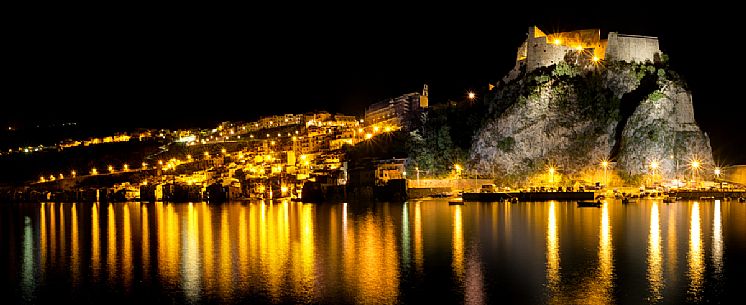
<point x="423" y="97"/>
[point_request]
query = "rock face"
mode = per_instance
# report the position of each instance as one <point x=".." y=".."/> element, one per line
<point x="632" y="114"/>
<point x="662" y="130"/>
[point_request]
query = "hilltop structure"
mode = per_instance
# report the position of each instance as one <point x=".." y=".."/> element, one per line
<point x="582" y="47"/>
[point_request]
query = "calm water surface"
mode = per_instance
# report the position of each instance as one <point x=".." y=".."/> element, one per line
<point x="421" y="251"/>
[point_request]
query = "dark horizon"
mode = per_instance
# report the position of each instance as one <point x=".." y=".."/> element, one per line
<point x="193" y="69"/>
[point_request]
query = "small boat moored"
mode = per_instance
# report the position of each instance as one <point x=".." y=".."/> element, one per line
<point x="589" y="204"/>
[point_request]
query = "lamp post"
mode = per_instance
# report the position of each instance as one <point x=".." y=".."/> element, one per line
<point x="653" y="167"/>
<point x="417" y="169"/>
<point x="717" y="177"/>
<point x="605" y="164"/>
<point x="695" y="166"/>
<point x="551" y="175"/>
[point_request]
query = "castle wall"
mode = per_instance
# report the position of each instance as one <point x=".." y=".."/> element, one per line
<point x="631" y="48"/>
<point x="541" y="54"/>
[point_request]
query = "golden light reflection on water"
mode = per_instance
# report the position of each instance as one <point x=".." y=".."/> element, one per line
<point x="61" y="256"/>
<point x="74" y="245"/>
<point x="600" y="291"/>
<point x="418" y="237"/>
<point x="288" y="252"/>
<point x="376" y="256"/>
<point x="95" y="242"/>
<point x="52" y="233"/>
<point x="126" y="246"/>
<point x="458" y="244"/>
<point x="145" y="235"/>
<point x="695" y="257"/>
<point x="553" y="264"/>
<point x="190" y="279"/>
<point x="43" y="235"/>
<point x="655" y="257"/>
<point x="717" y="239"/>
<point x="111" y="250"/>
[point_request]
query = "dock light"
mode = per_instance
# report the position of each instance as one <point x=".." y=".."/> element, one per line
<point x="42" y="180"/>
<point x="111" y="169"/>
<point x="94" y="171"/>
<point x="126" y="167"/>
<point x="654" y="165"/>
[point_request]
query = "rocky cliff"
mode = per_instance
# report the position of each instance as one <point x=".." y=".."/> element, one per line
<point x="572" y="118"/>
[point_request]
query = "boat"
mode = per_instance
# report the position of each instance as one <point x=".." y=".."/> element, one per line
<point x="669" y="199"/>
<point x="456" y="201"/>
<point x="585" y="204"/>
<point x="706" y="197"/>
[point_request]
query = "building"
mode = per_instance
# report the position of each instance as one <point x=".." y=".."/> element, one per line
<point x="391" y="114"/>
<point x="582" y="47"/>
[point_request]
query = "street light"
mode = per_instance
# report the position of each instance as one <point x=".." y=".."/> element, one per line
<point x="717" y="176"/>
<point x="471" y="95"/>
<point x="695" y="165"/>
<point x="605" y="164"/>
<point x="126" y="167"/>
<point x="551" y="174"/>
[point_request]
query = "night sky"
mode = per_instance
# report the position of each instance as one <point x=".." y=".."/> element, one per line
<point x="196" y="66"/>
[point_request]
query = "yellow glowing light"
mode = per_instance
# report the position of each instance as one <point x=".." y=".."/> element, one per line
<point x="368" y="136"/>
<point x="303" y="157"/>
<point x="557" y="41"/>
<point x="579" y="48"/>
<point x="41" y="179"/>
<point x="359" y="130"/>
<point x="189" y="157"/>
<point x="284" y="189"/>
<point x="387" y="129"/>
<point x="596" y="59"/>
<point x="471" y="95"/>
<point x="695" y="164"/>
<point x="272" y="143"/>
<point x="654" y="164"/>
<point x="51" y="177"/>
<point x="207" y="154"/>
<point x="94" y="171"/>
<point x="551" y="170"/>
<point x="223" y="151"/>
<point x="604" y="164"/>
<point x="73" y="174"/>
<point x="376" y="129"/>
<point x="144" y="165"/>
<point x="717" y="171"/>
<point x="457" y="167"/>
<point x="111" y="169"/>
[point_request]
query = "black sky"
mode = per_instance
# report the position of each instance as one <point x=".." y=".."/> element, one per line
<point x="194" y="66"/>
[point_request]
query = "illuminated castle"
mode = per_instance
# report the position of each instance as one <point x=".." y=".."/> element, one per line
<point x="583" y="47"/>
